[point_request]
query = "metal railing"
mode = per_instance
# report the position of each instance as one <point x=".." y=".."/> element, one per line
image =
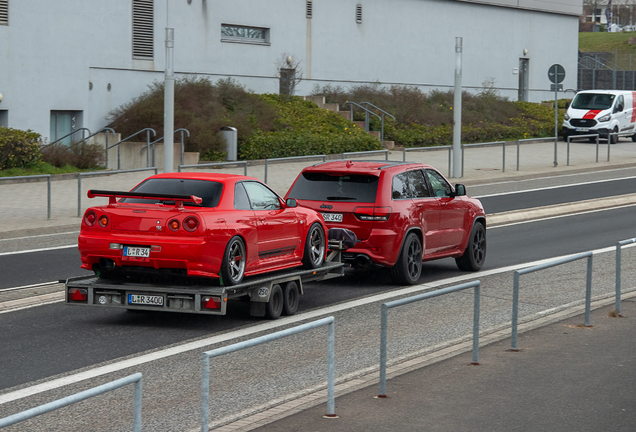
<point x="515" y="290"/>
<point x="92" y="174"/>
<point x="370" y="152"/>
<point x="48" y="188"/>
<point x="159" y="139"/>
<point x="69" y="134"/>
<point x="384" y="324"/>
<point x="147" y="130"/>
<point x="619" y="260"/>
<point x="323" y="157"/>
<point x="135" y="379"/>
<point x="367" y="111"/>
<point x="366" y="119"/>
<point x="534" y="139"/>
<point x="205" y="376"/>
<point x="449" y="147"/>
<point x="571" y="137"/>
<point x="215" y="164"/>
<point x="488" y="144"/>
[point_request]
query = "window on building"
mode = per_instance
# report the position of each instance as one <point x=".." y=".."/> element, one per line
<point x="63" y="123"/>
<point x="243" y="34"/>
<point x="4" y="118"/>
<point x="310" y="9"/>
<point x="359" y="13"/>
<point x="4" y="12"/>
<point x="143" y="29"/>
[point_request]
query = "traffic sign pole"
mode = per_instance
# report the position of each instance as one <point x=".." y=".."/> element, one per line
<point x="556" y="74"/>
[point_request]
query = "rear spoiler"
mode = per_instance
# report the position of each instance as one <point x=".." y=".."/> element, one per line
<point x="113" y="195"/>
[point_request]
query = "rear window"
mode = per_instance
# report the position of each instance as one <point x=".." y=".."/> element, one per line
<point x="335" y="187"/>
<point x="208" y="191"/>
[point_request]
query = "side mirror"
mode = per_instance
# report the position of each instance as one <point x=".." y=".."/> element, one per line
<point x="460" y="190"/>
<point x="291" y="202"/>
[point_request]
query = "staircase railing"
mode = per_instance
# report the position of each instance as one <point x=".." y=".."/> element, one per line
<point x="159" y="139"/>
<point x="68" y="135"/>
<point x="383" y="114"/>
<point x="147" y="130"/>
<point x="367" y="112"/>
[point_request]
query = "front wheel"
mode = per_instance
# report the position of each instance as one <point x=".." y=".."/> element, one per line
<point x="475" y="253"/>
<point x="315" y="244"/>
<point x="408" y="268"/>
<point x="614" y="138"/>
<point x="234" y="259"/>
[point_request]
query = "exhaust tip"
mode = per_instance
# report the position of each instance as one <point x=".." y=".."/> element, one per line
<point x="107" y="264"/>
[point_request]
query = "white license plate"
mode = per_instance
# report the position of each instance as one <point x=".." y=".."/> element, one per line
<point x="581" y="129"/>
<point x="332" y="217"/>
<point x="136" y="251"/>
<point x="139" y="299"/>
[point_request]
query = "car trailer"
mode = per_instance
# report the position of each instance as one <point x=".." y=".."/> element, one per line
<point x="269" y="296"/>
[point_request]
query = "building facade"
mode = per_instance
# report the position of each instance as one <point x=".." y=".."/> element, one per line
<point x="66" y="65"/>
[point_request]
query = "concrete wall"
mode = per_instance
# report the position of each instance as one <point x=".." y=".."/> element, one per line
<point x="51" y="52"/>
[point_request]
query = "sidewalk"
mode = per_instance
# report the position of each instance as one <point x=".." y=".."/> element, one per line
<point x="23" y="208"/>
<point x="564" y="378"/>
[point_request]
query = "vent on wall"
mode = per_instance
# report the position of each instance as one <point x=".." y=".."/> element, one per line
<point x="359" y="13"/>
<point x="4" y="12"/>
<point x="143" y="29"/>
<point x="310" y="8"/>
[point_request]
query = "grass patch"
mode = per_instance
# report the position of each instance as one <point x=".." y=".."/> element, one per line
<point x="608" y="42"/>
<point x="42" y="169"/>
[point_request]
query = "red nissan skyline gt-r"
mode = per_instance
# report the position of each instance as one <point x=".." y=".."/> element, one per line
<point x="199" y="225"/>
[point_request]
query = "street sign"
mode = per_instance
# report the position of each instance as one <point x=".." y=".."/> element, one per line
<point x="559" y="87"/>
<point x="556" y="73"/>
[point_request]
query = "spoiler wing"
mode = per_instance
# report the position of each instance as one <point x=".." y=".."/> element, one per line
<point x="113" y="195"/>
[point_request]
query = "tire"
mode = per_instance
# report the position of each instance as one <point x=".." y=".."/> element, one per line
<point x="291" y="298"/>
<point x="613" y="139"/>
<point x="234" y="259"/>
<point x="475" y="253"/>
<point x="592" y="139"/>
<point x="315" y="244"/>
<point x="274" y="306"/>
<point x="634" y="138"/>
<point x="408" y="268"/>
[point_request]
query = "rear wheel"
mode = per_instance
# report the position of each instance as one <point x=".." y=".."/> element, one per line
<point x="233" y="265"/>
<point x="291" y="297"/>
<point x="408" y="268"/>
<point x="475" y="253"/>
<point x="315" y="244"/>
<point x="274" y="306"/>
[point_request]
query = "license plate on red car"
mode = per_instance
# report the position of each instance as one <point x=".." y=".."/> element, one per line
<point x="150" y="300"/>
<point x="332" y="217"/>
<point x="134" y="251"/>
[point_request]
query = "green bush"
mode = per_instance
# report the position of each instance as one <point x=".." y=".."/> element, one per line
<point x="19" y="149"/>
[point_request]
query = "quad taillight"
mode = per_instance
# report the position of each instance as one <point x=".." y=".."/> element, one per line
<point x="190" y="224"/>
<point x="91" y="218"/>
<point x="372" y="213"/>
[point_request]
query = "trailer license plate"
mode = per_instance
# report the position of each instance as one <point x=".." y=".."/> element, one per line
<point x="131" y="251"/>
<point x="139" y="299"/>
<point x="332" y="217"/>
<point x="581" y="129"/>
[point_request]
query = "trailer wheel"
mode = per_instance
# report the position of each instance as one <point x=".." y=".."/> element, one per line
<point x="275" y="304"/>
<point x="291" y="298"/>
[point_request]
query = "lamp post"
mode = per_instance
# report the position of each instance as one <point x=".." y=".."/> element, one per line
<point x="457" y="110"/>
<point x="168" y="104"/>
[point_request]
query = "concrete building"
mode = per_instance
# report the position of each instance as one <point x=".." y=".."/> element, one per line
<point x="66" y="64"/>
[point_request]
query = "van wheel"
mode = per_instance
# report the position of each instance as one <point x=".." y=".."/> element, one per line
<point x="408" y="268"/>
<point x="634" y="138"/>
<point x="614" y="138"/>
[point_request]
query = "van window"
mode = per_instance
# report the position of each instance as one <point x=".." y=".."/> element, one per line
<point x="593" y="101"/>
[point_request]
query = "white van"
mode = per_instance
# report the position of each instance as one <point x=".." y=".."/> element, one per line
<point x="601" y="112"/>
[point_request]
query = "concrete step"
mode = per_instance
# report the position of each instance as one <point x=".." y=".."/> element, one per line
<point x="360" y="124"/>
<point x="375" y="134"/>
<point x="345" y="114"/>
<point x="390" y="145"/>
<point x="318" y="100"/>
<point x="332" y="107"/>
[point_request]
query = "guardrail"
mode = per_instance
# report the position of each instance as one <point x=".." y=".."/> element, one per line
<point x="215" y="164"/>
<point x="384" y="325"/>
<point x="205" y="376"/>
<point x="93" y="174"/>
<point x="570" y="137"/>
<point x="48" y="188"/>
<point x="531" y="140"/>
<point x="78" y="397"/>
<point x="323" y="157"/>
<point x="450" y="151"/>
<point x="386" y="153"/>
<point x="515" y="291"/>
<point x="488" y="144"/>
<point x="619" y="260"/>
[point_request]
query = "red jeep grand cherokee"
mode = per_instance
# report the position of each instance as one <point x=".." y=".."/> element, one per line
<point x="402" y="213"/>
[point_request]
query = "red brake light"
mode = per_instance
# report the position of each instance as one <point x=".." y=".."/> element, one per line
<point x="211" y="302"/>
<point x="90" y="218"/>
<point x="372" y="213"/>
<point x="191" y="223"/>
<point x="174" y="225"/>
<point x="103" y="221"/>
<point x="78" y="294"/>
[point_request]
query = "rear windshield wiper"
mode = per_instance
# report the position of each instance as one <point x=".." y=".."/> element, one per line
<point x="340" y="198"/>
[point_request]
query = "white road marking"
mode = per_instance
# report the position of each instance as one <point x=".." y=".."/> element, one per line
<point x="38" y="250"/>
<point x="199" y="344"/>
<point x="40" y="235"/>
<point x="28" y="286"/>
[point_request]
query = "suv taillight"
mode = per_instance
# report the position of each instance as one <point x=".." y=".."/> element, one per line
<point x="372" y="213"/>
